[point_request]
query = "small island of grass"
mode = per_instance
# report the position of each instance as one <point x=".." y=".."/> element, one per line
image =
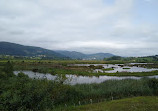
<point x="126" y="68"/>
<point x="108" y="69"/>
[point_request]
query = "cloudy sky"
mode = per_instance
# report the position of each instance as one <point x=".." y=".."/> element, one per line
<point x="122" y="27"/>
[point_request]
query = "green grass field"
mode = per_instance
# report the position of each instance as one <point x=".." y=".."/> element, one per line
<point x="146" y="103"/>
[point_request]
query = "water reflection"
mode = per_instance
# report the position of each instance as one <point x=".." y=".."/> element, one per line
<point x="73" y="79"/>
<point x="119" y="67"/>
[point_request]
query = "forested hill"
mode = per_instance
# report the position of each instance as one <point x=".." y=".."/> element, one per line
<point x="13" y="49"/>
<point x="7" y="48"/>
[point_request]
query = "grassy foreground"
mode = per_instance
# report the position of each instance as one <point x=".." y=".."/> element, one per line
<point x="146" y="103"/>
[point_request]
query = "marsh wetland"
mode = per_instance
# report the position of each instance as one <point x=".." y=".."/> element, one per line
<point x="65" y="85"/>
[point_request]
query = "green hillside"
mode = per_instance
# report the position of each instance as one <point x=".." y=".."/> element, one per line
<point x="7" y="48"/>
<point x="146" y="103"/>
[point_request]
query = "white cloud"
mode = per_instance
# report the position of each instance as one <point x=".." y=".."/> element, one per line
<point x="74" y="25"/>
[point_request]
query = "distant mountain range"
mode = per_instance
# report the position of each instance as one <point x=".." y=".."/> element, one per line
<point x="79" y="55"/>
<point x="7" y="48"/>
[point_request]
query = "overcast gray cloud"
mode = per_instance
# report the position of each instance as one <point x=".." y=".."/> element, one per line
<point x="116" y="26"/>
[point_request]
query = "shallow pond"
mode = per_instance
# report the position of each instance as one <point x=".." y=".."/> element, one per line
<point x="119" y="67"/>
<point x="73" y="79"/>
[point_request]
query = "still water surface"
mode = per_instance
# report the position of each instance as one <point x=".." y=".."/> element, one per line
<point x="73" y="79"/>
<point x="119" y="67"/>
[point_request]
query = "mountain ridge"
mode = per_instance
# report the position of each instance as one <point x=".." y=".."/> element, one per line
<point x="79" y="55"/>
<point x="8" y="48"/>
